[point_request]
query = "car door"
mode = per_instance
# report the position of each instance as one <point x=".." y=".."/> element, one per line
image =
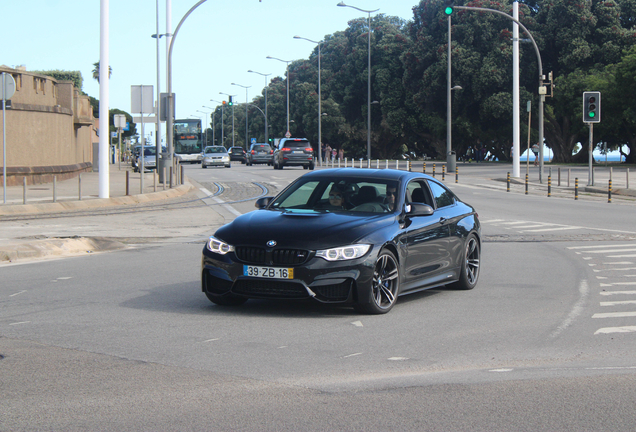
<point x="426" y="241"/>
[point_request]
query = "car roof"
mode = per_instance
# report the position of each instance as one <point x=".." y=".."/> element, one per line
<point x="357" y="173"/>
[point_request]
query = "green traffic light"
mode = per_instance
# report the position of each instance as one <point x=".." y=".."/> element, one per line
<point x="591" y="114"/>
<point x="448" y="10"/>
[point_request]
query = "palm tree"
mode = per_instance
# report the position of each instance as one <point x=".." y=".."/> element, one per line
<point x="96" y="71"/>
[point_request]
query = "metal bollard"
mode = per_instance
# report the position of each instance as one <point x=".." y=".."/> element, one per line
<point x="424" y="168"/>
<point x="576" y="188"/>
<point x="559" y="176"/>
<point x="609" y="192"/>
<point x="508" y="182"/>
<point x="154" y="180"/>
<point x="182" y="174"/>
<point x="443" y="172"/>
<point x="24" y="188"/>
<point x="127" y="183"/>
<point x="409" y="166"/>
<point x="433" y="170"/>
<point x="549" y="186"/>
<point x="456" y="174"/>
<point x="627" y="175"/>
<point x="526" y="183"/>
<point x="54" y="188"/>
<point x="164" y="178"/>
<point x="79" y="181"/>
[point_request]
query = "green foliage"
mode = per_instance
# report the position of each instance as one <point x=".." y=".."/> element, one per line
<point x="60" y="75"/>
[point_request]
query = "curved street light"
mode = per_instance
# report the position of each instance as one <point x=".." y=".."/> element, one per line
<point x="287" y="73"/>
<point x="264" y="75"/>
<point x="212" y="117"/>
<point x="170" y="119"/>
<point x="319" y="100"/>
<point x="247" y="145"/>
<point x="342" y="4"/>
<point x="222" y="107"/>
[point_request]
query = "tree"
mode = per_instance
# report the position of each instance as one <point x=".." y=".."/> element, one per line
<point x="96" y="71"/>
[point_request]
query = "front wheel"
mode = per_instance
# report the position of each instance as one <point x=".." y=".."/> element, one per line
<point x="470" y="265"/>
<point x="385" y="286"/>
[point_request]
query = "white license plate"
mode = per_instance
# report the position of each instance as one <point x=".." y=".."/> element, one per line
<point x="298" y="151"/>
<point x="268" y="272"/>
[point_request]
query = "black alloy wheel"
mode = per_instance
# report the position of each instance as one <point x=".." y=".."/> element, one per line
<point x="385" y="285"/>
<point x="470" y="265"/>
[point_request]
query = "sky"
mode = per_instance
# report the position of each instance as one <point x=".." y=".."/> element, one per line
<point x="215" y="47"/>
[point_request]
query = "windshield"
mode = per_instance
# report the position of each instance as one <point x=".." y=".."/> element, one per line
<point x="338" y="195"/>
<point x="216" y="149"/>
<point x="149" y="151"/>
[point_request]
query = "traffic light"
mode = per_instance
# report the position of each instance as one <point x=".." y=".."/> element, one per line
<point x="230" y="103"/>
<point x="223" y="103"/>
<point x="591" y="107"/>
<point x="448" y="10"/>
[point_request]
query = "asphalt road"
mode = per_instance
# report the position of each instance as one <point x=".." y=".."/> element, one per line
<point x="125" y="340"/>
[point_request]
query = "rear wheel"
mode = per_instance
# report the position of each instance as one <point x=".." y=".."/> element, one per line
<point x="470" y="265"/>
<point x="385" y="285"/>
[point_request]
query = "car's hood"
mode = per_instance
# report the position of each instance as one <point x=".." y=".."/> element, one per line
<point x="307" y="230"/>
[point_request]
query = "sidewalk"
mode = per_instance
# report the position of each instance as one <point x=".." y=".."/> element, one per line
<point x="40" y="197"/>
<point x="23" y="237"/>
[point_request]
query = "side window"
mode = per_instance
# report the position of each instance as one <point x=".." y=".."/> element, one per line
<point x="443" y="197"/>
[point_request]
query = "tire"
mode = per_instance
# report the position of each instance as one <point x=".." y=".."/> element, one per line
<point x="228" y="166"/>
<point x="312" y="166"/>
<point x="385" y="285"/>
<point x="470" y="265"/>
<point x="226" y="300"/>
<point x="203" y="166"/>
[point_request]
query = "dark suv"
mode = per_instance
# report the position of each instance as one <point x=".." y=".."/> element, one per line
<point x="237" y="154"/>
<point x="294" y="152"/>
<point x="259" y="153"/>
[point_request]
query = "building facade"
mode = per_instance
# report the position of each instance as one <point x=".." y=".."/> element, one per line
<point x="50" y="130"/>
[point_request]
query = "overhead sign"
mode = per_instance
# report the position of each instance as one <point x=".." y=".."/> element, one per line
<point x="7" y="87"/>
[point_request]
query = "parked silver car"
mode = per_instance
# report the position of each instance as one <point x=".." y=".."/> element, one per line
<point x="150" y="159"/>
<point x="215" y="156"/>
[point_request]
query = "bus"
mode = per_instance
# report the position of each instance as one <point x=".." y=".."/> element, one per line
<point x="188" y="143"/>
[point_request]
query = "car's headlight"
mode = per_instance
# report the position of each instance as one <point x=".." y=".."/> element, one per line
<point x="218" y="246"/>
<point x="344" y="252"/>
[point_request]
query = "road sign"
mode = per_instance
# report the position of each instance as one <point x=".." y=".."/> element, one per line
<point x="287" y="134"/>
<point x="253" y="140"/>
<point x="7" y="89"/>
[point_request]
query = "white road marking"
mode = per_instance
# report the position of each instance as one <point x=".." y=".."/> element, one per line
<point x="606" y="330"/>
<point x="616" y="303"/>
<point x="618" y="283"/>
<point x="614" y="315"/>
<point x="599" y="246"/>
<point x="608" y="293"/>
<point x="352" y="355"/>
<point x="18" y="323"/>
<point x="577" y="309"/>
<point x="357" y="323"/>
<point x="397" y="358"/>
<point x="563" y="228"/>
<point x="18" y="293"/>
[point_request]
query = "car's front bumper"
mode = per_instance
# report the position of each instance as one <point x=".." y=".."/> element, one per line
<point x="318" y="279"/>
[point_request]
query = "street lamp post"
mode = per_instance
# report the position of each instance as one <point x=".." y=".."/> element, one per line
<point x="213" y="126"/>
<point x="206" y="127"/>
<point x="170" y="111"/>
<point x="342" y="4"/>
<point x="231" y="96"/>
<point x="247" y="145"/>
<point x="266" y="130"/>
<point x="222" y="106"/>
<point x="287" y="73"/>
<point x="319" y="100"/>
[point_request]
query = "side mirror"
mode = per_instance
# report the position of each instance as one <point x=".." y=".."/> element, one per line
<point x="419" y="209"/>
<point x="262" y="202"/>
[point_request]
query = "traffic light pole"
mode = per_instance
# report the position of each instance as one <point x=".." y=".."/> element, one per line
<point x="590" y="157"/>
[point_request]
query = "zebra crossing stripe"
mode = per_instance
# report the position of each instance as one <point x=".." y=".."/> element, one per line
<point x="606" y="330"/>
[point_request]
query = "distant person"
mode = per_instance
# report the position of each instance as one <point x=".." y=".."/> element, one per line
<point x="535" y="150"/>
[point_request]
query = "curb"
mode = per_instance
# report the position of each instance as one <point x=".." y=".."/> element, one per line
<point x="59" y="207"/>
<point x="57" y="247"/>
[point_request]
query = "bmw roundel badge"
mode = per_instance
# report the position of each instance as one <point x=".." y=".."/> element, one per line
<point x="271" y="243"/>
